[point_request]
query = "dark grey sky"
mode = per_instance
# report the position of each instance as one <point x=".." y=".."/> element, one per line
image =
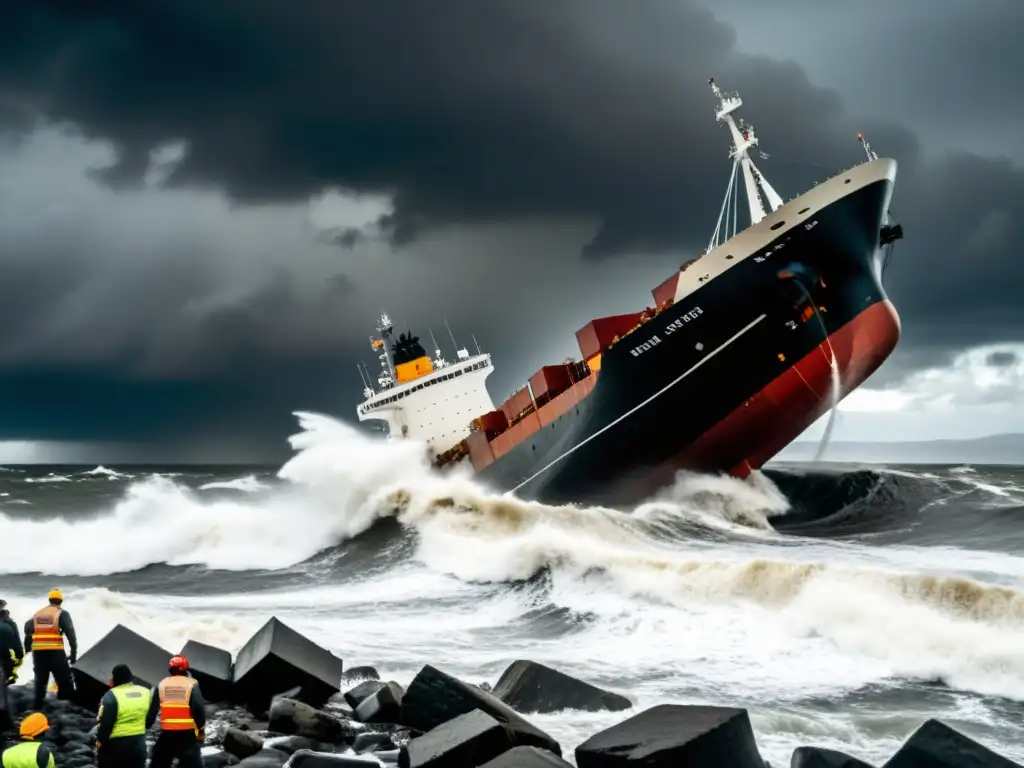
<point x="173" y="273"/>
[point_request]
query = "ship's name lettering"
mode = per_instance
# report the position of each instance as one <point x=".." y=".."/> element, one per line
<point x="669" y="329"/>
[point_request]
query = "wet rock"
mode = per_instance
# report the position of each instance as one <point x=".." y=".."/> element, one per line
<point x="294" y="744"/>
<point x="291" y="717"/>
<point x="219" y="760"/>
<point x="218" y="721"/>
<point x="211" y="666"/>
<point x="277" y="658"/>
<point x="298" y="694"/>
<point x="435" y="697"/>
<point x="936" y="745"/>
<point x="266" y="758"/>
<point x="241" y="743"/>
<point x="527" y="757"/>
<point x="674" y="735"/>
<point x="306" y="759"/>
<point x="373" y="742"/>
<point x="382" y="706"/>
<point x="359" y="694"/>
<point x="527" y="686"/>
<point x="147" y="660"/>
<point x="358" y="674"/>
<point x="467" y="740"/>
<point x="401" y="736"/>
<point x="817" y="757"/>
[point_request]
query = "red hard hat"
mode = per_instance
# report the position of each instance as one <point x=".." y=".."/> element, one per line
<point x="179" y="662"/>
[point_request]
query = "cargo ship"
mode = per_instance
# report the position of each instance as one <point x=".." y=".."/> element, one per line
<point x="743" y="348"/>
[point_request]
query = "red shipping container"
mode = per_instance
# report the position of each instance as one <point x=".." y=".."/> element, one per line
<point x="551" y="380"/>
<point x="517" y="403"/>
<point x="480" y="452"/>
<point x="666" y="291"/>
<point x="494" y="423"/>
<point x="599" y="333"/>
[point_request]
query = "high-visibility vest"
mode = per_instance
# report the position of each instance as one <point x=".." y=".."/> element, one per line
<point x="46" y="634"/>
<point x="132" y="708"/>
<point x="23" y="755"/>
<point x="175" y="694"/>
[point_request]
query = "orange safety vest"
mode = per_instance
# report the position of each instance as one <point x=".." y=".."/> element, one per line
<point x="175" y="694"/>
<point x="46" y="634"/>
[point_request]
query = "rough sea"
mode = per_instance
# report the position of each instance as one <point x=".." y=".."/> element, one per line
<point x="843" y="605"/>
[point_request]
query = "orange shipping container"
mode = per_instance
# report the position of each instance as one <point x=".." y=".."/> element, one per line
<point x="596" y="335"/>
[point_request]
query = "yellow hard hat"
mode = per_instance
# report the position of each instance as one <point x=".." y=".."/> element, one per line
<point x="33" y="725"/>
<point x="55" y="594"/>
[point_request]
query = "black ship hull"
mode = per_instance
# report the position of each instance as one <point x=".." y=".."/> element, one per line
<point x="728" y="375"/>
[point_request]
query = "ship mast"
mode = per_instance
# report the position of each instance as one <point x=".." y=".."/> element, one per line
<point x="743" y="140"/>
<point x="867" y="147"/>
<point x="385" y="329"/>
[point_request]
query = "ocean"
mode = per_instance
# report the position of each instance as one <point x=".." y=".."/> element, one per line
<point x="842" y="605"/>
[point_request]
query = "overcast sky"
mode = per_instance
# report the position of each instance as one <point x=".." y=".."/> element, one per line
<point x="203" y="206"/>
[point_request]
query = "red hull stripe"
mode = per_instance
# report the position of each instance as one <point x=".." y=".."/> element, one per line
<point x="766" y="423"/>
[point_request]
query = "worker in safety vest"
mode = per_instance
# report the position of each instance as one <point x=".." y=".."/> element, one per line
<point x="121" y="735"/>
<point x="11" y="656"/>
<point x="182" y="711"/>
<point x="44" y="636"/>
<point x="29" y="752"/>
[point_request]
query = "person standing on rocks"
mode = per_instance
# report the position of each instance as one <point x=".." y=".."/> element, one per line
<point x="11" y="651"/>
<point x="11" y="656"/>
<point x="179" y="702"/>
<point x="29" y="752"/>
<point x="121" y="735"/>
<point x="44" y="637"/>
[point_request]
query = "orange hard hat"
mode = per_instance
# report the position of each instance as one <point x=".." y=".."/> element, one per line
<point x="33" y="725"/>
<point x="179" y="662"/>
<point x="55" y="594"/>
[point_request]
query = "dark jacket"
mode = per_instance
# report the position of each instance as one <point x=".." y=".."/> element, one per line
<point x="64" y="624"/>
<point x="9" y="641"/>
<point x="197" y="707"/>
<point x="11" y="623"/>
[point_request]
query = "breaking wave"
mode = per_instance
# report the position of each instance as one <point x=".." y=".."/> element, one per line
<point x="796" y="548"/>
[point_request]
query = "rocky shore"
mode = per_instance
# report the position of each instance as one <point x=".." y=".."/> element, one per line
<point x="284" y="701"/>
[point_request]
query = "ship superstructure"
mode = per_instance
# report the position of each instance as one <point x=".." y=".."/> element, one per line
<point x="424" y="398"/>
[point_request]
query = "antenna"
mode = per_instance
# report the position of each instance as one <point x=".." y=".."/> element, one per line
<point x="476" y="344"/>
<point x="743" y="140"/>
<point x="361" y="377"/>
<point x="867" y="147"/>
<point x="437" y="349"/>
<point x="452" y="335"/>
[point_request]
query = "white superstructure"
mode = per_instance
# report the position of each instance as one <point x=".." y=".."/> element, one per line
<point x="438" y="405"/>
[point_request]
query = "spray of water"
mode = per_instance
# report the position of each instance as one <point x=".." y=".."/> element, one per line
<point x="835" y="394"/>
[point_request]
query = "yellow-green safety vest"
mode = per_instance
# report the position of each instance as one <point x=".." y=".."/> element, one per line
<point x="132" y="706"/>
<point x="23" y="755"/>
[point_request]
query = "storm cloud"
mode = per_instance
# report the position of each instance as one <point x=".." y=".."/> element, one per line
<point x="523" y="150"/>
